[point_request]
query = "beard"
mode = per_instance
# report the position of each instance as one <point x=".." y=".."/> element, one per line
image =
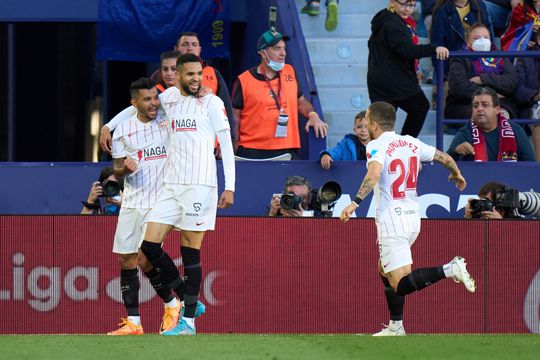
<point x="188" y="90"/>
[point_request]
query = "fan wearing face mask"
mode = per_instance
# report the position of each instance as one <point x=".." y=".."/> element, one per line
<point x="466" y="75"/>
<point x="266" y="101"/>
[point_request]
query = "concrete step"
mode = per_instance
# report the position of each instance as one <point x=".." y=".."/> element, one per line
<point x="337" y="51"/>
<point x="351" y="97"/>
<point x="340" y="75"/>
<point x="350" y="26"/>
<point x="351" y="7"/>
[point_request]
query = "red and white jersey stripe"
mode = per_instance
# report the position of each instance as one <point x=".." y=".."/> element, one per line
<point x="395" y="194"/>
<point x="147" y="144"/>
<point x="192" y="124"/>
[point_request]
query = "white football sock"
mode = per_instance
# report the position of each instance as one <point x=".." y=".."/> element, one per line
<point x="135" y="320"/>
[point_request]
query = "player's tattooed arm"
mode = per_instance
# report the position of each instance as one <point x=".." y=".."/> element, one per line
<point x="447" y="161"/>
<point x="370" y="180"/>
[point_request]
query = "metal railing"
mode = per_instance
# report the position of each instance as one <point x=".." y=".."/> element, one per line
<point x="439" y="66"/>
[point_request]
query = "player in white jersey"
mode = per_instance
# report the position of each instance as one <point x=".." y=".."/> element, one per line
<point x="139" y="156"/>
<point x="188" y="199"/>
<point x="393" y="164"/>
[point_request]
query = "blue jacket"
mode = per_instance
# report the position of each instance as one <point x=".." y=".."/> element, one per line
<point x="346" y="149"/>
<point x="447" y="29"/>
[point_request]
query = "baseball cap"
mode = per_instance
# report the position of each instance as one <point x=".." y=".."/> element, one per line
<point x="270" y="38"/>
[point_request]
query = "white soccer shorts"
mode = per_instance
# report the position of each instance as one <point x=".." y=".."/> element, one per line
<point x="186" y="207"/>
<point x="129" y="230"/>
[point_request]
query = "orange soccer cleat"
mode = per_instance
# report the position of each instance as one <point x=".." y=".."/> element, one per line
<point x="170" y="317"/>
<point x="127" y="328"/>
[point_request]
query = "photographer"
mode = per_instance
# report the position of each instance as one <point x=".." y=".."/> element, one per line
<point x="300" y="199"/>
<point x="113" y="201"/>
<point x="499" y="201"/>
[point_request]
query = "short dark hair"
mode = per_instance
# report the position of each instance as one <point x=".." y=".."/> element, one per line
<point x="384" y="114"/>
<point x="360" y="115"/>
<point x="186" y="33"/>
<point x="105" y="173"/>
<point x="487" y="91"/>
<point x="490" y="187"/>
<point x="187" y="58"/>
<point x="141" y="83"/>
<point x="296" y="180"/>
<point x="169" y="55"/>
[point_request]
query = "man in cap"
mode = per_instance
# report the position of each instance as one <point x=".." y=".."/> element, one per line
<point x="266" y="101"/>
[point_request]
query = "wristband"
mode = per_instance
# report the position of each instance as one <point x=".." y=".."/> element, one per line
<point x="312" y="112"/>
<point x="357" y="201"/>
<point x="91" y="206"/>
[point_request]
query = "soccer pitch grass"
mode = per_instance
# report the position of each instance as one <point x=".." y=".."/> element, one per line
<point x="273" y="347"/>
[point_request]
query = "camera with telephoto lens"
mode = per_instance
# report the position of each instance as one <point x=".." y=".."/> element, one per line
<point x="322" y="200"/>
<point x="110" y="188"/>
<point x="505" y="199"/>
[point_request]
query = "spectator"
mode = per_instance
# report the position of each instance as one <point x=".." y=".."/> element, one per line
<point x="167" y="70"/>
<point x="528" y="91"/>
<point x="266" y="102"/>
<point x="393" y="63"/>
<point x="486" y="132"/>
<point x="452" y="18"/>
<point x="92" y="205"/>
<point x="499" y="12"/>
<point x="352" y="146"/>
<point x="467" y="75"/>
<point x="523" y="14"/>
<point x="426" y="16"/>
<point x="313" y="7"/>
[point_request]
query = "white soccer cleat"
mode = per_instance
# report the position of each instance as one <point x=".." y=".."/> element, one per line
<point x="390" y="330"/>
<point x="461" y="275"/>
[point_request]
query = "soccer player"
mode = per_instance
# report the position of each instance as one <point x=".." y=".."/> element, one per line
<point x="189" y="196"/>
<point x="392" y="171"/>
<point x="139" y="155"/>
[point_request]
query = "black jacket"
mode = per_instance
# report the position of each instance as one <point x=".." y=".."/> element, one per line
<point x="461" y="89"/>
<point x="391" y="73"/>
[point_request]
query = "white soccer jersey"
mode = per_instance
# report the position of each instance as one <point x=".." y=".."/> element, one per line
<point x="147" y="144"/>
<point x="192" y="125"/>
<point x="395" y="193"/>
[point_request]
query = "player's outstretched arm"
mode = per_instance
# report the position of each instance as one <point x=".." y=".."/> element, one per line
<point x="368" y="184"/>
<point x="105" y="140"/>
<point x="227" y="197"/>
<point x="449" y="163"/>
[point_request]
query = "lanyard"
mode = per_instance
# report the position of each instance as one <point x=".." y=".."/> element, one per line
<point x="272" y="92"/>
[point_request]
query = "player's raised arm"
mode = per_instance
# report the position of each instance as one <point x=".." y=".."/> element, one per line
<point x="449" y="163"/>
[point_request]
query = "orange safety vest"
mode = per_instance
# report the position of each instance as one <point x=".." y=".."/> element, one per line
<point x="161" y="87"/>
<point x="209" y="78"/>
<point x="258" y="119"/>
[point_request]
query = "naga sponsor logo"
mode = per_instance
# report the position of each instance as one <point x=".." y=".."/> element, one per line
<point x="153" y="153"/>
<point x="45" y="288"/>
<point x="184" y="125"/>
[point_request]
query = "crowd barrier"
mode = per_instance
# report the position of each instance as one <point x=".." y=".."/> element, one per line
<point x="262" y="275"/>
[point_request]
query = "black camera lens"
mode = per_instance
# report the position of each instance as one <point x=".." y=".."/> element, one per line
<point x="110" y="188"/>
<point x="290" y="202"/>
<point x="479" y="205"/>
<point x="329" y="192"/>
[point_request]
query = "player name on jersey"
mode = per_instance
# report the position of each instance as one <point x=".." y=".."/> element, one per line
<point x="396" y="144"/>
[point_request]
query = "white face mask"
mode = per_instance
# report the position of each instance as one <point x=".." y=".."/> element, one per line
<point x="274" y="65"/>
<point x="481" y="44"/>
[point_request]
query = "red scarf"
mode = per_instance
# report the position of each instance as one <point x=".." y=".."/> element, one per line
<point x="507" y="142"/>
<point x="411" y="25"/>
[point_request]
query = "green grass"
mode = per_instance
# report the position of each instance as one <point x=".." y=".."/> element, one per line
<point x="273" y="347"/>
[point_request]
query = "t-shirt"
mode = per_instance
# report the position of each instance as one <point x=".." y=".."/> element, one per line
<point x="145" y="143"/>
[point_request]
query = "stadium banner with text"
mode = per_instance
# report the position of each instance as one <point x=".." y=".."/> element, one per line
<point x="58" y="188"/>
<point x="263" y="275"/>
<point x="140" y="30"/>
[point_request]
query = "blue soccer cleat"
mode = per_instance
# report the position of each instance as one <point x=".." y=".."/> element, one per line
<point x="201" y="309"/>
<point x="183" y="328"/>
